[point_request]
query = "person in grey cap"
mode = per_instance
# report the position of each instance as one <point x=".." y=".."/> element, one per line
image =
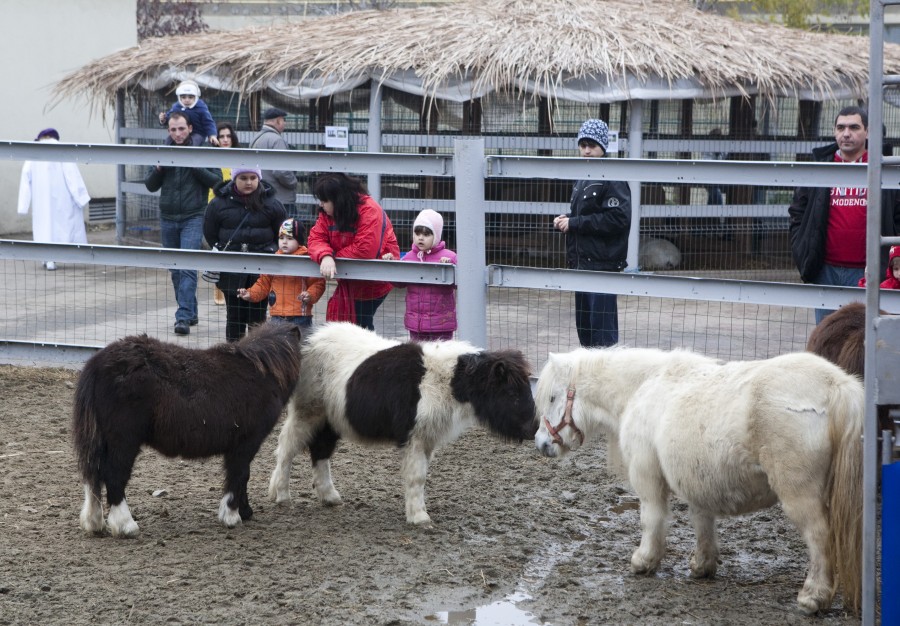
<point x="596" y="230"/>
<point x="270" y="138"/>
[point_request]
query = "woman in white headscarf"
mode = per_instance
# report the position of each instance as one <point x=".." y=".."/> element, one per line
<point x="57" y="197"/>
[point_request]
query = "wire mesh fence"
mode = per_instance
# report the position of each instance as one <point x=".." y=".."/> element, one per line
<point x="712" y="230"/>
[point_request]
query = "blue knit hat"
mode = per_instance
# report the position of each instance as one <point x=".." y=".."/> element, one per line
<point x="597" y="131"/>
<point x="47" y="132"/>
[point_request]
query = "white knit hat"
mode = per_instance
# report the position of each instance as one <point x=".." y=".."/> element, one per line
<point x="188" y="88"/>
<point x="432" y="220"/>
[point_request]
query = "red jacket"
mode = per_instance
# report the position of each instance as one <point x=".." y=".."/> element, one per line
<point x="287" y="289"/>
<point x="890" y="282"/>
<point x="362" y="242"/>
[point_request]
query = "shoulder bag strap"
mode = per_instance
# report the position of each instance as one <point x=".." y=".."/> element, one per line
<point x="235" y="232"/>
<point x="383" y="229"/>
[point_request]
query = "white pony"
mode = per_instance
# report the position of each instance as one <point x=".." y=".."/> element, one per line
<point x="728" y="438"/>
<point x="417" y="396"/>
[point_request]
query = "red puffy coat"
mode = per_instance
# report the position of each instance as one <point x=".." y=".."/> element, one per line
<point x="372" y="227"/>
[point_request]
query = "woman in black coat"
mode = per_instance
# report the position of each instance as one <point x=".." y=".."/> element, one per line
<point x="244" y="216"/>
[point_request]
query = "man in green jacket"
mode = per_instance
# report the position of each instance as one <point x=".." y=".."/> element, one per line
<point x="182" y="203"/>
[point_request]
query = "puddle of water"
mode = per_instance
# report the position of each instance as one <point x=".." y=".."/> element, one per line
<point x="505" y="612"/>
<point x="625" y="506"/>
<point x="500" y="613"/>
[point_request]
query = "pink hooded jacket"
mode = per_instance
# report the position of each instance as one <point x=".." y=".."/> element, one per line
<point x="430" y="308"/>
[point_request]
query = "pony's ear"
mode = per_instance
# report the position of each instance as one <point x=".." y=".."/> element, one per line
<point x="506" y="365"/>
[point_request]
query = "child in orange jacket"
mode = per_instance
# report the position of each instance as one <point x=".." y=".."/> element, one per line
<point x="291" y="298"/>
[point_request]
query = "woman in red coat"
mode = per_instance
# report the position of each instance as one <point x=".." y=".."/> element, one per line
<point x="351" y="225"/>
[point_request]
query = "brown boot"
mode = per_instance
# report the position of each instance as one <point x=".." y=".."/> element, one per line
<point x="219" y="297"/>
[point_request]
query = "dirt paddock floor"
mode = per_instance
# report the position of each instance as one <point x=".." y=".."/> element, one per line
<point x="517" y="539"/>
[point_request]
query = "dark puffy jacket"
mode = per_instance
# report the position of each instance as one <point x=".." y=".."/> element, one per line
<point x="809" y="211"/>
<point x="599" y="223"/>
<point x="182" y="190"/>
<point x="259" y="232"/>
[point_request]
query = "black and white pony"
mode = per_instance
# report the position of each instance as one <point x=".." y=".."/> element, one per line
<point x="182" y="402"/>
<point x="362" y="387"/>
<point x="727" y="438"/>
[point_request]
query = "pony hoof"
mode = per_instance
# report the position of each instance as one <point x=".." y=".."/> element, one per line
<point x="703" y="569"/>
<point x="228" y="516"/>
<point x="811" y="602"/>
<point x="808" y="607"/>
<point x="642" y="567"/>
<point x="332" y="499"/>
<point x="281" y="498"/>
<point x="419" y="519"/>
<point x="127" y="531"/>
<point x="92" y="525"/>
<point x="704" y="572"/>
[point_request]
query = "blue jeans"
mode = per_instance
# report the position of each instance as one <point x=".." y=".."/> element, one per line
<point x="596" y="319"/>
<point x="186" y="234"/>
<point x="303" y="321"/>
<point x="837" y="276"/>
<point x="365" y="311"/>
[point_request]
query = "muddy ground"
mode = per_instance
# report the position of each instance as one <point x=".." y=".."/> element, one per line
<point x="517" y="539"/>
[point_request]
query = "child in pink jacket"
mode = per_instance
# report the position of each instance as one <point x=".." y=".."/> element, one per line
<point x="430" y="309"/>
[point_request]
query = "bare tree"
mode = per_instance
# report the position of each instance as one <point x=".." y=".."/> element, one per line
<point x="378" y="5"/>
<point x="160" y="19"/>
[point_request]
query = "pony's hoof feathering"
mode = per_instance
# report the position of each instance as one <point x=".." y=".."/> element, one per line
<point x="814" y="598"/>
<point x="278" y="491"/>
<point x="330" y="497"/>
<point x="228" y="516"/>
<point x="643" y="565"/>
<point x="120" y="522"/>
<point x="420" y="519"/>
<point x="703" y="567"/>
<point x="91" y="513"/>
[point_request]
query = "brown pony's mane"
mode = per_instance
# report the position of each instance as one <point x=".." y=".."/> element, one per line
<point x="840" y="338"/>
<point x="258" y="348"/>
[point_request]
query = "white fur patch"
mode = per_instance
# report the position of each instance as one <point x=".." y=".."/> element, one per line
<point x="228" y="516"/>
<point x="91" y="512"/>
<point x="120" y="522"/>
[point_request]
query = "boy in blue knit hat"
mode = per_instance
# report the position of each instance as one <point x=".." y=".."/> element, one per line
<point x="596" y="230"/>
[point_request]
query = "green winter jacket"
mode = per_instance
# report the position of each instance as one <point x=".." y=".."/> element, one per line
<point x="183" y="191"/>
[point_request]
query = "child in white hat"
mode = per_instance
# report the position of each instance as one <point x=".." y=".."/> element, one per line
<point x="430" y="309"/>
<point x="197" y="112"/>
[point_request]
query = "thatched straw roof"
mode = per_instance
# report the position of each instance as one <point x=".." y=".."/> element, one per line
<point x="585" y="50"/>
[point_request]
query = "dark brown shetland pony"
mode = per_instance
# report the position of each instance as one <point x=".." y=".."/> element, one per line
<point x="182" y="402"/>
<point x="840" y="338"/>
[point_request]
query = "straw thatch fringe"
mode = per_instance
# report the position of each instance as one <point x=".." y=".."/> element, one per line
<point x="503" y="45"/>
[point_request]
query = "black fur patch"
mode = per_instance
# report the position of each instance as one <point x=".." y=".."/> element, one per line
<point x="498" y="387"/>
<point x="383" y="392"/>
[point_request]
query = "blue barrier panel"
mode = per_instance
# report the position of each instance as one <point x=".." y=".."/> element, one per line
<point x="890" y="543"/>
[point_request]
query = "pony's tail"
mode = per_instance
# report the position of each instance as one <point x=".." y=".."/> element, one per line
<point x="845" y="487"/>
<point x="87" y="437"/>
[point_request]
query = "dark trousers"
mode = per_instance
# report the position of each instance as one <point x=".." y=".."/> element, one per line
<point x="365" y="311"/>
<point x="239" y="314"/>
<point x="596" y="319"/>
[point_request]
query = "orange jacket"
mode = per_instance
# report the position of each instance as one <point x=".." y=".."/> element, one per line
<point x="287" y="290"/>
